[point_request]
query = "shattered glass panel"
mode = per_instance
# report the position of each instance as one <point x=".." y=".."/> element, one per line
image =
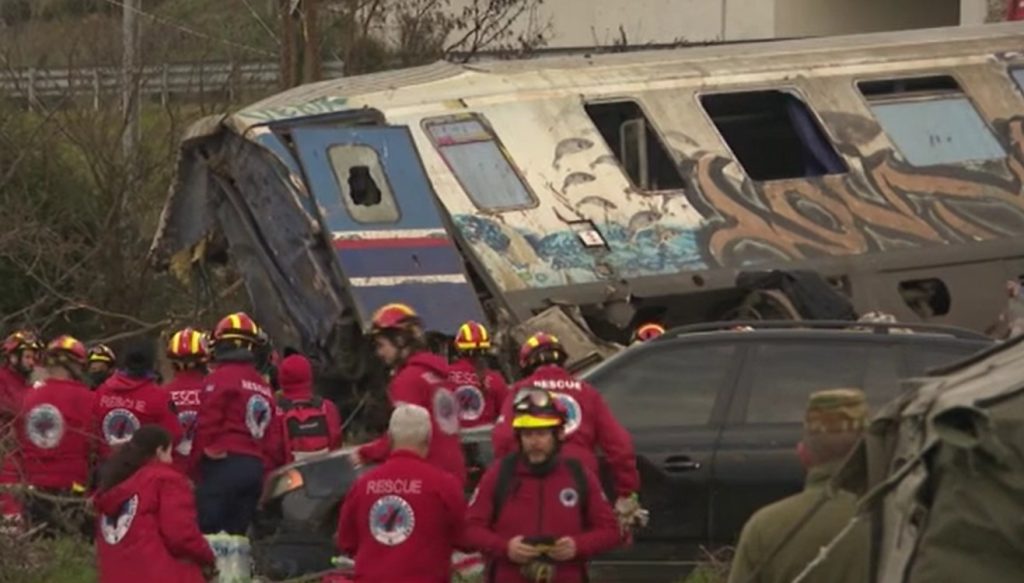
<point x="480" y="164"/>
<point x="363" y="185"/>
<point x="945" y="130"/>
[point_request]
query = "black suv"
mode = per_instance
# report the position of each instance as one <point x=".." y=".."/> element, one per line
<point x="715" y="416"/>
<point x="716" y="413"/>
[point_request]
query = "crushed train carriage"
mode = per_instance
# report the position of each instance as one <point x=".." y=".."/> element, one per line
<point x="626" y="187"/>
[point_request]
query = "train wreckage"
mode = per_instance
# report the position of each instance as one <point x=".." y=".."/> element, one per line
<point x="587" y="194"/>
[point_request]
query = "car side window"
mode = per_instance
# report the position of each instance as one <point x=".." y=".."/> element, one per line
<point x="920" y="358"/>
<point x="667" y="386"/>
<point x="785" y="374"/>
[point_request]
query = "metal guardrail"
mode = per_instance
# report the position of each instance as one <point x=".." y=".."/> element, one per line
<point x="165" y="81"/>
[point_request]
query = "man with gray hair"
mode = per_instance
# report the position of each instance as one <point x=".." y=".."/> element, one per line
<point x="401" y="520"/>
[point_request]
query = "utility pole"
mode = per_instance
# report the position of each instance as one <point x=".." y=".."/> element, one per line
<point x="130" y="101"/>
<point x="311" y="33"/>
<point x="300" y="42"/>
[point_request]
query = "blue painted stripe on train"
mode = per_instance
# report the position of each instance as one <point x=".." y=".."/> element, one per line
<point x="400" y="261"/>
<point x="442" y="306"/>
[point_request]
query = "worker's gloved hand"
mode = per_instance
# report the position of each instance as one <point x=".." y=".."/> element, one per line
<point x="630" y="514"/>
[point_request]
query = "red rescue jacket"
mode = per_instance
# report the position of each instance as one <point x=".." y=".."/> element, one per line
<point x="55" y="434"/>
<point x="186" y="390"/>
<point x="124" y="403"/>
<point x="540" y="506"/>
<point x="479" y="403"/>
<point x="147" y="530"/>
<point x="401" y="521"/>
<point x="12" y="388"/>
<point x="591" y="425"/>
<point x="423" y="380"/>
<point x="239" y="416"/>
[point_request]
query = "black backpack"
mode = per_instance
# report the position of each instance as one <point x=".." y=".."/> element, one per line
<point x="507" y="478"/>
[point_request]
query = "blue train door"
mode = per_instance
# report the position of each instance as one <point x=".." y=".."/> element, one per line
<point x="385" y="223"/>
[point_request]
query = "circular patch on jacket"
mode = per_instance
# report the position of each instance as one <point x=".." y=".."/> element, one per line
<point x="187" y="421"/>
<point x="573" y="412"/>
<point x="471" y="402"/>
<point x="392" y="520"/>
<point x="446" y="411"/>
<point x="569" y="497"/>
<point x="119" y="425"/>
<point x="114" y="527"/>
<point x="257" y="416"/>
<point x="44" y="426"/>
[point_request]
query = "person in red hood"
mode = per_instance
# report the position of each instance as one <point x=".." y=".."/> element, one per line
<point x="188" y="354"/>
<point x="238" y="434"/>
<point x="130" y="398"/>
<point x="401" y="521"/>
<point x="536" y="515"/>
<point x="18" y="351"/>
<point x="54" y="430"/>
<point x="590" y="425"/>
<point x="310" y="423"/>
<point x="418" y="378"/>
<point x="479" y="390"/>
<point x="146" y="517"/>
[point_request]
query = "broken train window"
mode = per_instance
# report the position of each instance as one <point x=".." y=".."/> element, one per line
<point x="479" y="162"/>
<point x="772" y="134"/>
<point x="931" y="120"/>
<point x="363" y="185"/>
<point x="636" y="144"/>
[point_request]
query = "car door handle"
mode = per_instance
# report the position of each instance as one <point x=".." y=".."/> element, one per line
<point x="681" y="463"/>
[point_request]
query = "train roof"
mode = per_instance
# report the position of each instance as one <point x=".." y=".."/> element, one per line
<point x="444" y="81"/>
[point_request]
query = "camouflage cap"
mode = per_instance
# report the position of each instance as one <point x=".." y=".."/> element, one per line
<point x="836" y="411"/>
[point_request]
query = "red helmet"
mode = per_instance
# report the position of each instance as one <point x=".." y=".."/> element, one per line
<point x="237" y="326"/>
<point x="394" y="317"/>
<point x="648" y="331"/>
<point x="67" y="348"/>
<point x="472" y="336"/>
<point x="187" y="344"/>
<point x="538" y="345"/>
<point x="21" y="340"/>
<point x="102" y="353"/>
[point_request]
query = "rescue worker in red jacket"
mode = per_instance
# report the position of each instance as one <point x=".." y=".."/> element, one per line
<point x="479" y="390"/>
<point x="418" y="378"/>
<point x="146" y="517"/>
<point x="590" y="424"/>
<point x="536" y="515"/>
<point x="188" y="354"/>
<point x="310" y="423"/>
<point x="54" y="429"/>
<point x="238" y="436"/>
<point x="647" y="332"/>
<point x="131" y="398"/>
<point x="402" y="520"/>
<point x="19" y="352"/>
<point x="101" y="365"/>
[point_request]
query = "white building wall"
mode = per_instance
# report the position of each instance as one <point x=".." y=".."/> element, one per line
<point x="588" y="23"/>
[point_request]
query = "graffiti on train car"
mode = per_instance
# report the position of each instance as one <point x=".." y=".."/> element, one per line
<point x="891" y="205"/>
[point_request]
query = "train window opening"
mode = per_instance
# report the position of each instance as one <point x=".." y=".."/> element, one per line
<point x="926" y="297"/>
<point x="635" y="143"/>
<point x="931" y="121"/>
<point x="773" y="135"/>
<point x="363" y="184"/>
<point x="1018" y="77"/>
<point x="479" y="163"/>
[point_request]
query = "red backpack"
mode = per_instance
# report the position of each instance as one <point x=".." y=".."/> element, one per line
<point x="306" y="429"/>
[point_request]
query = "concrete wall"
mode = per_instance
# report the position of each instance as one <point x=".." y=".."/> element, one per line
<point x="819" y="17"/>
<point x="587" y="23"/>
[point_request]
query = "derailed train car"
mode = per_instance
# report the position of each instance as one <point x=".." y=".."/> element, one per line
<point x="586" y="194"/>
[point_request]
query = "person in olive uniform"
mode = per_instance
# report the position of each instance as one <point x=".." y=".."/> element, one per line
<point x="780" y="540"/>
